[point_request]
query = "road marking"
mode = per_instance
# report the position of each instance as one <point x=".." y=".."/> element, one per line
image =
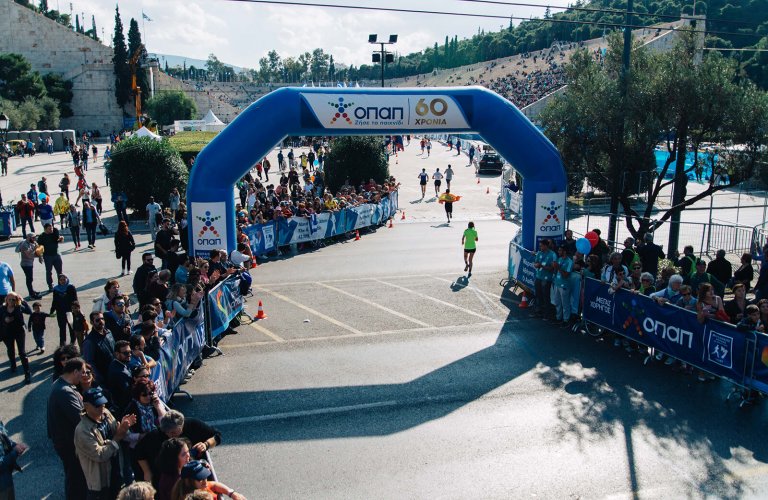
<point x="490" y="294"/>
<point x="309" y="310"/>
<point x="331" y="410"/>
<point x="266" y="332"/>
<point x="433" y="299"/>
<point x="374" y="304"/>
<point x="369" y="278"/>
<point x="436" y="329"/>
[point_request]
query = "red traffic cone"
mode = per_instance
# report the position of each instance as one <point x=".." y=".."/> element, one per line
<point x="524" y="302"/>
<point x="487" y="190"/>
<point x="390" y="224"/>
<point x="357" y="235"/>
<point x="403" y="216"/>
<point x="260" y="313"/>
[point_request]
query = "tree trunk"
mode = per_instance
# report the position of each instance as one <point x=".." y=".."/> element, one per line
<point x="679" y="189"/>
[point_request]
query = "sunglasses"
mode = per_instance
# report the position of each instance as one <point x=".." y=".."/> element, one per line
<point x="147" y="394"/>
<point x="87" y="372"/>
<point x="124" y="353"/>
<point x="119" y="303"/>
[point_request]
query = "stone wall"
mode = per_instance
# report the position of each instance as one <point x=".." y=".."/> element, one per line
<point x="53" y="48"/>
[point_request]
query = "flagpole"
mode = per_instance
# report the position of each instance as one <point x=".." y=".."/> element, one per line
<point x="144" y="29"/>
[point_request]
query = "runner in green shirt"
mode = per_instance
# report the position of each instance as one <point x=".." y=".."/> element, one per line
<point x="469" y="240"/>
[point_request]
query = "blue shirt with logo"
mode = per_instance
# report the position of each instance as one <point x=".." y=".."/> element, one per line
<point x="545" y="258"/>
<point x="564" y="264"/>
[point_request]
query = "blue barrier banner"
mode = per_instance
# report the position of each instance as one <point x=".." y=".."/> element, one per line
<point x="224" y="303"/>
<point x="760" y="372"/>
<point x="263" y="237"/>
<point x="314" y="227"/>
<point x="181" y="346"/>
<point x="520" y="266"/>
<point x="360" y="217"/>
<point x="714" y="346"/>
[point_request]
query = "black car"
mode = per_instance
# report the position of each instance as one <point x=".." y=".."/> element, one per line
<point x="490" y="163"/>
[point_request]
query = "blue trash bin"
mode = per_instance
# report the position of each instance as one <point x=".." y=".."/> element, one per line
<point x="7" y="224"/>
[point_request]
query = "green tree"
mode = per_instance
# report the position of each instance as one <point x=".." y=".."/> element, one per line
<point x="137" y="159"/>
<point x="120" y="62"/>
<point x="167" y="107"/>
<point x="357" y="158"/>
<point x="17" y="80"/>
<point x="668" y="96"/>
<point x="61" y="91"/>
<point x="135" y="45"/>
<point x="319" y="65"/>
<point x="331" y="69"/>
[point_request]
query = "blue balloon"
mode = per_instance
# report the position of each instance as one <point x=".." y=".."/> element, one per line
<point x="583" y="246"/>
<point x="42" y="197"/>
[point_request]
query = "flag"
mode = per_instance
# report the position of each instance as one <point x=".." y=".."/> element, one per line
<point x="143" y="15"/>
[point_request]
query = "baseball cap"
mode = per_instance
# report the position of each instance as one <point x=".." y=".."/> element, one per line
<point x="95" y="397"/>
<point x="195" y="469"/>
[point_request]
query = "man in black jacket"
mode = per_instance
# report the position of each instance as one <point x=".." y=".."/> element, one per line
<point x="140" y="277"/>
<point x="720" y="268"/>
<point x="119" y="376"/>
<point x="650" y="253"/>
<point x="64" y="408"/>
<point x="98" y="348"/>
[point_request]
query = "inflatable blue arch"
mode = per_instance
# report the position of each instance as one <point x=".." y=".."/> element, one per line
<point x="372" y="111"/>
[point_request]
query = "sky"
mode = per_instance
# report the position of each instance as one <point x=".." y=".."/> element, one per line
<point x="241" y="32"/>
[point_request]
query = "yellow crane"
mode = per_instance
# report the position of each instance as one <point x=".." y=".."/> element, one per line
<point x="135" y="65"/>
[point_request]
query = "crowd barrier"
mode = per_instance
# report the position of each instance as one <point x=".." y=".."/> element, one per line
<point x="182" y="345"/>
<point x="265" y="238"/>
<point x="520" y="268"/>
<point x="716" y="347"/>
<point x="223" y="304"/>
<point x="512" y="200"/>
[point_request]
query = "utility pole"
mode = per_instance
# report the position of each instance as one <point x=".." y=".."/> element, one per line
<point x="616" y="186"/>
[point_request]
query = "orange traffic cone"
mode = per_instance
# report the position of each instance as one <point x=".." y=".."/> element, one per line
<point x="260" y="313"/>
<point x="390" y="224"/>
<point x="357" y="235"/>
<point x="488" y="190"/>
<point x="403" y="217"/>
<point x="524" y="302"/>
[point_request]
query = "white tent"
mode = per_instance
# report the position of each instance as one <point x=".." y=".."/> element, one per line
<point x="212" y="122"/>
<point x="144" y="132"/>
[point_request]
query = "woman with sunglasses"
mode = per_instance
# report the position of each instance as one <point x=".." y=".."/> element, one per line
<point x="13" y="332"/>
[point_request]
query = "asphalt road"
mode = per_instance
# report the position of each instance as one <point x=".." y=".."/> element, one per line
<point x="381" y="372"/>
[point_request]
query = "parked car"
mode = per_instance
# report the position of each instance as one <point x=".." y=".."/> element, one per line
<point x="490" y="163"/>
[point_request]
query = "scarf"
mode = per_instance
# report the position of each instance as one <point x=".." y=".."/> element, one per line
<point x="146" y="417"/>
<point x="62" y="289"/>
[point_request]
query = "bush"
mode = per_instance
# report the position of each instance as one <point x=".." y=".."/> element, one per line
<point x="356" y="158"/>
<point x="142" y="167"/>
<point x="166" y="107"/>
<point x="189" y="144"/>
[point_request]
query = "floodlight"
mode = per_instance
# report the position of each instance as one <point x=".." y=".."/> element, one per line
<point x="372" y="38"/>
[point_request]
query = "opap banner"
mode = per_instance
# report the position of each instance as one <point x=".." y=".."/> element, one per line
<point x="717" y="347"/>
<point x="209" y="228"/>
<point x="550" y="216"/>
<point x="376" y="111"/>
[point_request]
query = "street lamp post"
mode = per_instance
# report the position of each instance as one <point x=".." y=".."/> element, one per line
<point x="382" y="55"/>
<point x="4" y="123"/>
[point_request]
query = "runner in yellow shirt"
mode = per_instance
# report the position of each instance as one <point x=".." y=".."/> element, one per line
<point x="469" y="240"/>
